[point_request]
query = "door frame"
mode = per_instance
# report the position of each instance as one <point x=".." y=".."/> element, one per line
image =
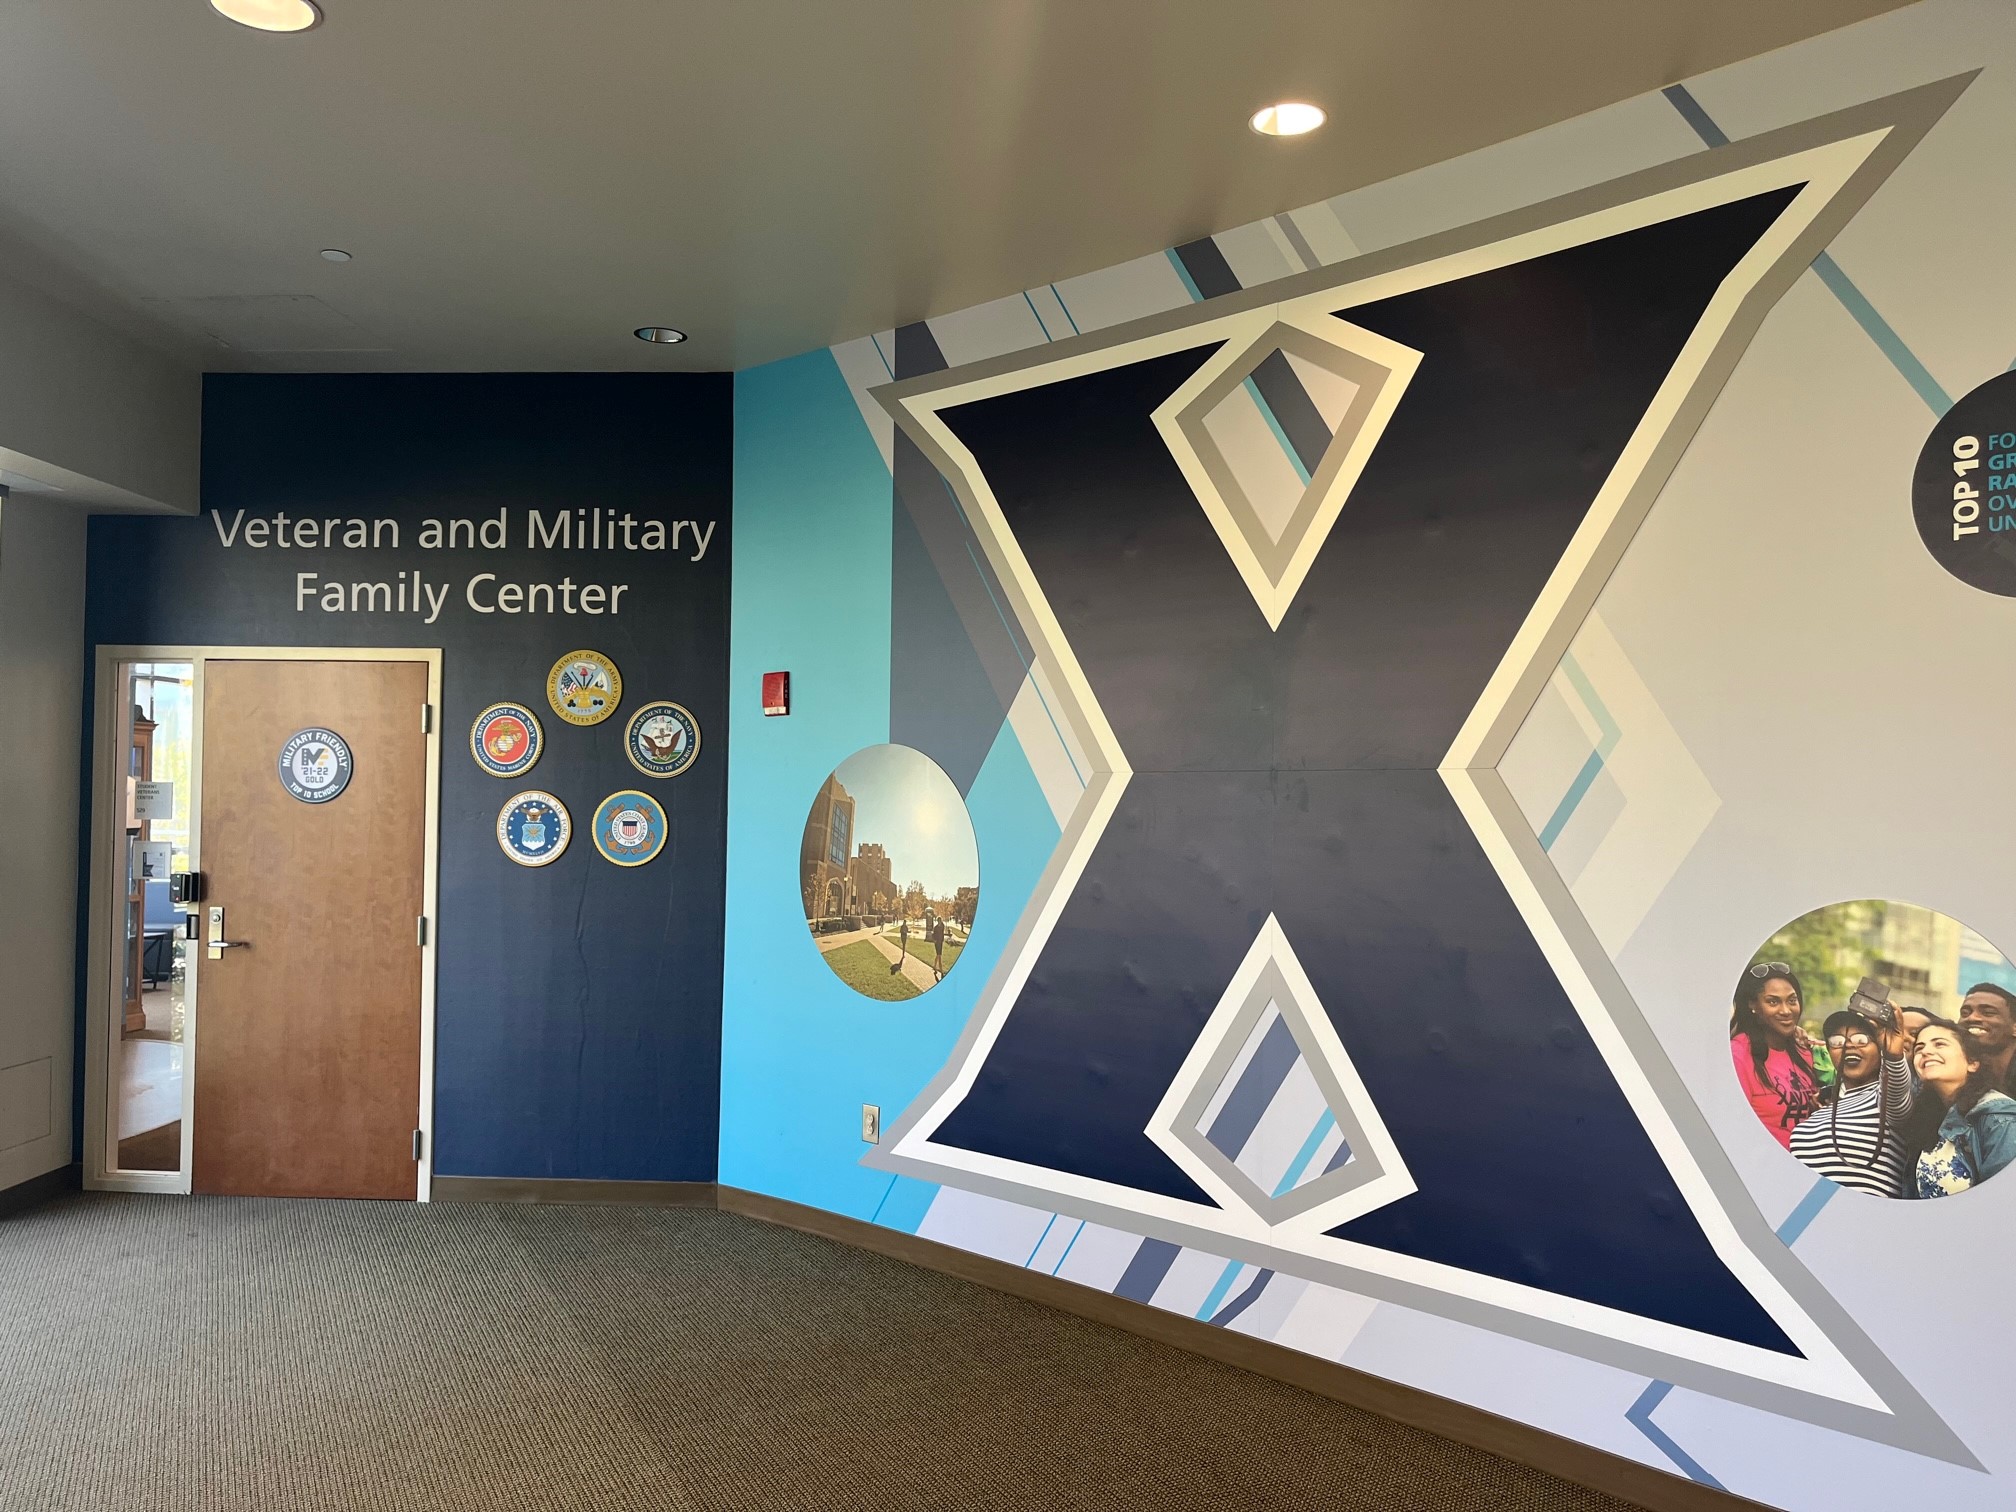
<point x="102" y="962"/>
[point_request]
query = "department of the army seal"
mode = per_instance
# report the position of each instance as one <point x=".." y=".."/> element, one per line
<point x="584" y="687"/>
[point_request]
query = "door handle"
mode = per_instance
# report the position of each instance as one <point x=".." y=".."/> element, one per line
<point x="215" y="944"/>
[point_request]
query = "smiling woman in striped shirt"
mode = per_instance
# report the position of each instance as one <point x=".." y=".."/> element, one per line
<point x="1855" y="1137"/>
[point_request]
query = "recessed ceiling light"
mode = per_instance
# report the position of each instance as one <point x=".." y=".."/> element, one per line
<point x="335" y="254"/>
<point x="663" y="335"/>
<point x="270" y="15"/>
<point x="1289" y="118"/>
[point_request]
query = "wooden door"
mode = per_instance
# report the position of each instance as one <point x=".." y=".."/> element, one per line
<point x="307" y="1051"/>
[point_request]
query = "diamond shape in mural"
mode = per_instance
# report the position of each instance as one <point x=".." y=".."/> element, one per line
<point x="1268" y="1115"/>
<point x="1272" y="434"/>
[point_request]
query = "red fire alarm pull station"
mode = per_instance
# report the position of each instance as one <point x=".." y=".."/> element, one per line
<point x="776" y="692"/>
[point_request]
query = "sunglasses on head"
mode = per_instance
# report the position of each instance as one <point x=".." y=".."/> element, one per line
<point x="1764" y="970"/>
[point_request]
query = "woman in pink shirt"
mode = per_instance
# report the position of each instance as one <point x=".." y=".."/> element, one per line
<point x="1771" y="1052"/>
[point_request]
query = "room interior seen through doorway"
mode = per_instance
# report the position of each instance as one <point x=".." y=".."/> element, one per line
<point x="155" y="987"/>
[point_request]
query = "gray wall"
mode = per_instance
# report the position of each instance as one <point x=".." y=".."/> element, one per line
<point x="112" y="423"/>
<point x="42" y="685"/>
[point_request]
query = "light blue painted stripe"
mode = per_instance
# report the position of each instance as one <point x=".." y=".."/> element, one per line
<point x="1639" y="1415"/>
<point x="1609" y="735"/>
<point x="1307" y="1153"/>
<point x="1296" y="1167"/>
<point x="1800" y="1217"/>
<point x="1219" y="1290"/>
<point x="1068" y="1248"/>
<point x="1067" y="312"/>
<point x="1039" y="317"/>
<point x="1598" y="711"/>
<point x="1888" y="342"/>
<point x="1267" y="413"/>
<point x="1571" y="800"/>
<point x="1878" y="330"/>
<point x="1039" y="1241"/>
<point x="885" y="1197"/>
<point x="1184" y="274"/>
<point x="876" y="342"/>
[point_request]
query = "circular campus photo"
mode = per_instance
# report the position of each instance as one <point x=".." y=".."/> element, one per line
<point x="1874" y="1041"/>
<point x="889" y="872"/>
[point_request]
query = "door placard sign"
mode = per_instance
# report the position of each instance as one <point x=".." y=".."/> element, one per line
<point x="584" y="687"/>
<point x="506" y="739"/>
<point x="662" y="739"/>
<point x="533" y="828"/>
<point x="315" y="765"/>
<point x="630" y="828"/>
<point x="153" y="800"/>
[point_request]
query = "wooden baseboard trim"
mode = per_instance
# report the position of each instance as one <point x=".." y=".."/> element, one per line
<point x="528" y="1189"/>
<point x="37" y="1190"/>
<point x="1655" y="1490"/>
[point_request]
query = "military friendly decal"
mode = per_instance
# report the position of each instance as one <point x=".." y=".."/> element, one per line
<point x="315" y="765"/>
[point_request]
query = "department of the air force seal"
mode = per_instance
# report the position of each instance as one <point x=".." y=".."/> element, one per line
<point x="584" y="687"/>
<point x="506" y="739"/>
<point x="662" y="740"/>
<point x="533" y="828"/>
<point x="315" y="765"/>
<point x="629" y="828"/>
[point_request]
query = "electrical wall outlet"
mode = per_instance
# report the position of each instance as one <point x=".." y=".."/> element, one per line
<point x="871" y="1123"/>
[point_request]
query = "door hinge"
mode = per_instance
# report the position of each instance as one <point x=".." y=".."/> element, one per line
<point x="419" y="1143"/>
<point x="427" y="719"/>
<point x="421" y="932"/>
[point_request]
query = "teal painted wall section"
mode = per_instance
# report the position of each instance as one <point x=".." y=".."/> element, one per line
<point x="800" y="1051"/>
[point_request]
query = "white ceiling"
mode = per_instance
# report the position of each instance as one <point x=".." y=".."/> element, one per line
<point x="524" y="181"/>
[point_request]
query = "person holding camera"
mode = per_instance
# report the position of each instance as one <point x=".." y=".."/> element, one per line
<point x="1856" y="1136"/>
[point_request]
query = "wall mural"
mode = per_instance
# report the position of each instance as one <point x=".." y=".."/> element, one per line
<point x="1382" y="798"/>
<point x="1335" y="766"/>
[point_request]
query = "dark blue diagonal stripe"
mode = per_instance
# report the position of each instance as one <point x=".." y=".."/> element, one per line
<point x="1145" y="1271"/>
<point x="1244" y="1300"/>
<point x="1294" y="411"/>
<point x="1255" y="1089"/>
<point x="1209" y="273"/>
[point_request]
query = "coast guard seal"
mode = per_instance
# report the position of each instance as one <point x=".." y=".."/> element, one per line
<point x="315" y="765"/>
<point x="533" y="828"/>
<point x="506" y="739"/>
<point x="629" y="828"/>
<point x="662" y="740"/>
<point x="584" y="687"/>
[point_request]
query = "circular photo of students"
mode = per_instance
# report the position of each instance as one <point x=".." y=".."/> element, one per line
<point x="889" y="872"/>
<point x="1875" y="1041"/>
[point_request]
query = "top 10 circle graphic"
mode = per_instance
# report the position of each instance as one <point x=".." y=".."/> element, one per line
<point x="1963" y="492"/>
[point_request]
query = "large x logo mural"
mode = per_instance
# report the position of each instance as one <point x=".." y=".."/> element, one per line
<point x="1295" y="697"/>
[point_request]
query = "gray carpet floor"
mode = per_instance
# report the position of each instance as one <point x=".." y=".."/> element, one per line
<point x="162" y="1354"/>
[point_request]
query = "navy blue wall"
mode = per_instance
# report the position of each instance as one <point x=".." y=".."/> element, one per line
<point x="578" y="1015"/>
